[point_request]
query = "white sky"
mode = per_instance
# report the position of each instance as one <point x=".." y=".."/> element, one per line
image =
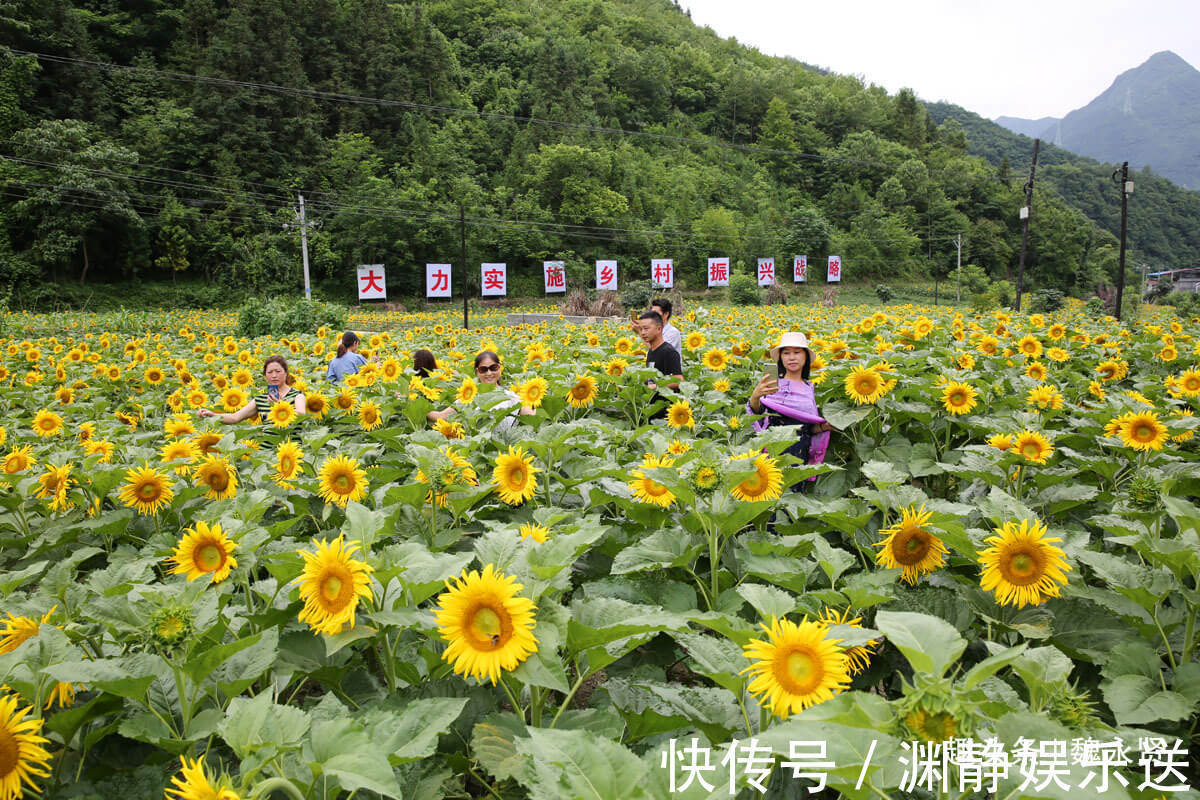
<point x="1023" y="58"/>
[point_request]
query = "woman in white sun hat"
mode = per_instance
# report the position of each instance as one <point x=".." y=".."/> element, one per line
<point x="785" y="396"/>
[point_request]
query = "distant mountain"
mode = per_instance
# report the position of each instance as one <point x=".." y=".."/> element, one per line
<point x="1164" y="219"/>
<point x="1032" y="128"/>
<point x="1150" y="116"/>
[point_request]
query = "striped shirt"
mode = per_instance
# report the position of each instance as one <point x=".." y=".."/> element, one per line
<point x="263" y="402"/>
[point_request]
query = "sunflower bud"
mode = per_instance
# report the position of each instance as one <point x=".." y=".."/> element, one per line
<point x="171" y="626"/>
<point x="1144" y="494"/>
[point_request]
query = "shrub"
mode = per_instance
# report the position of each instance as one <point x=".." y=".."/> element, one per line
<point x="279" y="316"/>
<point x="576" y="304"/>
<point x="777" y="295"/>
<point x="1045" y="301"/>
<point x="1003" y="292"/>
<point x="607" y="305"/>
<point x="1187" y="304"/>
<point x="637" y="294"/>
<point x="983" y="301"/>
<point x="744" y="291"/>
<point x="884" y="293"/>
<point x="1094" y="308"/>
<point x="974" y="279"/>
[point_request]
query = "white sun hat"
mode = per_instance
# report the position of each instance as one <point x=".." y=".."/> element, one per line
<point x="791" y="339"/>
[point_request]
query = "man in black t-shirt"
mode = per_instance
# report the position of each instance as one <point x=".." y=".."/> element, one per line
<point x="662" y="356"/>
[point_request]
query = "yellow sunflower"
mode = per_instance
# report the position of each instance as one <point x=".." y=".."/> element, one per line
<point x="765" y="484"/>
<point x="959" y="398"/>
<point x="679" y="415"/>
<point x="1045" y="396"/>
<point x="54" y="484"/>
<point x="489" y="627"/>
<point x="331" y="584"/>
<point x="287" y="461"/>
<point x="647" y="490"/>
<point x="1000" y="441"/>
<point x="1142" y="431"/>
<point x="864" y="385"/>
<point x="146" y="490"/>
<point x="369" y="417"/>
<point x="1033" y="447"/>
<point x="22" y="758"/>
<point x="345" y="400"/>
<point x="218" y="475"/>
<point x="181" y="450"/>
<point x="536" y="532"/>
<point x="858" y="658"/>
<point x="532" y="392"/>
<point x="466" y="393"/>
<point x="179" y="425"/>
<point x="715" y="359"/>
<point x="15" y="631"/>
<point x="908" y="546"/>
<point x="451" y="430"/>
<point x="204" y="550"/>
<point x="282" y="414"/>
<point x="47" y="423"/>
<point x="315" y="404"/>
<point x="1029" y="346"/>
<point x="1036" y="370"/>
<point x="615" y="367"/>
<point x="192" y="783"/>
<point x="515" y="476"/>
<point x="694" y="341"/>
<point x="796" y="666"/>
<point x="583" y="393"/>
<point x="19" y="459"/>
<point x="1023" y="566"/>
<point x="1188" y="383"/>
<point x="342" y="481"/>
<point x="234" y="399"/>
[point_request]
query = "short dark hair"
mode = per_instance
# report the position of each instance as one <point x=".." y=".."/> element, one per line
<point x="486" y="354"/>
<point x="662" y="303"/>
<point x="652" y="315"/>
<point x="424" y="363"/>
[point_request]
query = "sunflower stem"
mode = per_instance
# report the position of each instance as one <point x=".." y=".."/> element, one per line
<point x="583" y="676"/>
<point x="1166" y="641"/>
<point x="516" y="704"/>
<point x="281" y="784"/>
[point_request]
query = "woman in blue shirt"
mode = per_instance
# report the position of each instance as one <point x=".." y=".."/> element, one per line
<point x="348" y="360"/>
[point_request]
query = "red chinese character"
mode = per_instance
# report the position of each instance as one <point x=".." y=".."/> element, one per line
<point x="441" y="281"/>
<point x="719" y="272"/>
<point x="554" y="278"/>
<point x="372" y="282"/>
<point x="766" y="270"/>
<point x="662" y="273"/>
<point x="606" y="275"/>
<point x="493" y="279"/>
<point x="835" y="269"/>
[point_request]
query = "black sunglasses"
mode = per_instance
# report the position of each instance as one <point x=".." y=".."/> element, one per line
<point x="492" y="368"/>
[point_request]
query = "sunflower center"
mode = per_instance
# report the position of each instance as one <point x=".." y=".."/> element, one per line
<point x="218" y="480"/>
<point x="286" y="463"/>
<point x="910" y="546"/>
<point x="1143" y="433"/>
<point x="579" y="392"/>
<point x="209" y="557"/>
<point x="331" y="587"/>
<point x="517" y="476"/>
<point x="1031" y="450"/>
<point x="170" y="627"/>
<point x="799" y="671"/>
<point x="653" y="488"/>
<point x="148" y="491"/>
<point x="342" y="484"/>
<point x="1022" y="568"/>
<point x="10" y="752"/>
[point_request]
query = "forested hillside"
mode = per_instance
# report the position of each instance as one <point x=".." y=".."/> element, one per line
<point x="1164" y="219"/>
<point x="571" y="129"/>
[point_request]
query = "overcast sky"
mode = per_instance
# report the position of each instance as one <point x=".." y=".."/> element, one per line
<point x="1023" y="58"/>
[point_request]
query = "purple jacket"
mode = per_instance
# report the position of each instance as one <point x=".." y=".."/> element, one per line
<point x="796" y="399"/>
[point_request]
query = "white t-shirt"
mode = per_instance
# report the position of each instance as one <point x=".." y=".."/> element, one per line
<point x="671" y="336"/>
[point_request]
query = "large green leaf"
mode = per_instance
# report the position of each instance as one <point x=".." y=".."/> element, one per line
<point x="930" y="644"/>
<point x="650" y="708"/>
<point x="258" y="723"/>
<point x="660" y="550"/>
<point x="1138" y="700"/>
<point x="579" y="764"/>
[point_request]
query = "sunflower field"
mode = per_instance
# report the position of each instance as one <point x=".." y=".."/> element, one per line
<point x="990" y="590"/>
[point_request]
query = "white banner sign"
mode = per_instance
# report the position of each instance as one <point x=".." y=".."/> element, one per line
<point x="437" y="280"/>
<point x="555" y="274"/>
<point x="800" y="268"/>
<point x="371" y="283"/>
<point x="766" y="271"/>
<point x="606" y="275"/>
<point x="835" y="269"/>
<point x="718" y="271"/>
<point x="662" y="273"/>
<point x="493" y="280"/>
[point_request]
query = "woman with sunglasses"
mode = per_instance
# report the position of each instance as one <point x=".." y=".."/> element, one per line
<point x="488" y="370"/>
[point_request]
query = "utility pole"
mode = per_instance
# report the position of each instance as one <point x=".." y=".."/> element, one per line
<point x="304" y="248"/>
<point x="958" y="287"/>
<point x="1025" y="214"/>
<point x="1126" y="190"/>
<point x="462" y="252"/>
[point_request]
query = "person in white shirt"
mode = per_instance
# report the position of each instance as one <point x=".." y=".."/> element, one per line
<point x="670" y="333"/>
